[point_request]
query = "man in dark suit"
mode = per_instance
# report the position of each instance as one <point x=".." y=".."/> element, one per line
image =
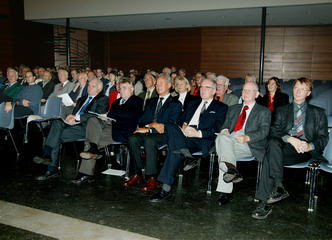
<point x="298" y="134"/>
<point x="243" y="134"/>
<point x="47" y="86"/>
<point x="73" y="128"/>
<point x="158" y="112"/>
<point x="202" y="119"/>
<point x="101" y="132"/>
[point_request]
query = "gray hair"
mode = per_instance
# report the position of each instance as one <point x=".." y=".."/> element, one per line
<point x="100" y="83"/>
<point x="169" y="80"/>
<point x="222" y="77"/>
<point x="213" y="82"/>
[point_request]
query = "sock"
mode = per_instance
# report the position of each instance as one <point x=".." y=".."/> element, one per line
<point x="93" y="148"/>
<point x="278" y="182"/>
<point x="166" y="187"/>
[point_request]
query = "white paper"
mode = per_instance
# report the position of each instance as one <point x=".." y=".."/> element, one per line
<point x="114" y="172"/>
<point x="66" y="100"/>
<point x="101" y="116"/>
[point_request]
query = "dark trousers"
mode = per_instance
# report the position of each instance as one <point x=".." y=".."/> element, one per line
<point x="21" y="111"/>
<point x="176" y="140"/>
<point x="62" y="132"/>
<point x="151" y="142"/>
<point x="278" y="155"/>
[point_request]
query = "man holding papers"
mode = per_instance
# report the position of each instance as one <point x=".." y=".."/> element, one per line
<point x="69" y="130"/>
<point x="101" y="131"/>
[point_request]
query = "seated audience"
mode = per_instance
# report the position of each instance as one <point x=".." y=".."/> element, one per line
<point x="100" y="75"/>
<point x="28" y="100"/>
<point x="7" y="100"/>
<point x="158" y="112"/>
<point x="74" y="75"/>
<point x="182" y="87"/>
<point x="73" y="129"/>
<point x="150" y="91"/>
<point x="298" y="134"/>
<point x="47" y="86"/>
<point x="201" y="120"/>
<point x="39" y="75"/>
<point x="110" y="86"/>
<point x="101" y="132"/>
<point x="243" y="134"/>
<point x="199" y="77"/>
<point x="12" y="88"/>
<point x="221" y="93"/>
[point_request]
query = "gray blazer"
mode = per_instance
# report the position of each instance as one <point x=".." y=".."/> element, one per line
<point x="66" y="89"/>
<point x="257" y="127"/>
<point x="230" y="99"/>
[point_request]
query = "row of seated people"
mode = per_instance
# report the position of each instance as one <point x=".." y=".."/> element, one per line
<point x="298" y="133"/>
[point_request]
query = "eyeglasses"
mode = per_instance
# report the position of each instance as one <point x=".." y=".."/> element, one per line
<point x="207" y="87"/>
<point x="249" y="90"/>
<point x="222" y="85"/>
<point x="301" y="89"/>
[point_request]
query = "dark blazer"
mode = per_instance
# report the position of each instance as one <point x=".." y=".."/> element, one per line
<point x="73" y="95"/>
<point x="169" y="112"/>
<point x="315" y="126"/>
<point x="210" y="122"/>
<point x="257" y="127"/>
<point x="187" y="100"/>
<point x="47" y="89"/>
<point x="13" y="91"/>
<point x="4" y="97"/>
<point x="153" y="94"/>
<point x="99" y="104"/>
<point x="126" y="116"/>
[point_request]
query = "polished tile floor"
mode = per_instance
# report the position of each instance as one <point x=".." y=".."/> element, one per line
<point x="189" y="214"/>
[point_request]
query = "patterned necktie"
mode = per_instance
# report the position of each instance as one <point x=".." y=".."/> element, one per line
<point x="202" y="111"/>
<point x="85" y="105"/>
<point x="242" y="118"/>
<point x="159" y="105"/>
<point x="148" y="93"/>
<point x="61" y="87"/>
<point x="299" y="123"/>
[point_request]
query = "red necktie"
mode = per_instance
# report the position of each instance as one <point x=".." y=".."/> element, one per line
<point x="240" y="121"/>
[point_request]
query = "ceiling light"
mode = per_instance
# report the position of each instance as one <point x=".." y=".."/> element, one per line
<point x="309" y="12"/>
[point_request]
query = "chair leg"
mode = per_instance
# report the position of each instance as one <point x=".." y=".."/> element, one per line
<point x="210" y="173"/>
<point x="128" y="164"/>
<point x="26" y="132"/>
<point x="17" y="153"/>
<point x="312" y="193"/>
<point x="107" y="157"/>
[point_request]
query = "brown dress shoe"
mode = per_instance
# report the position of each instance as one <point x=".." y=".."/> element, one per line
<point x="152" y="183"/>
<point x="134" y="179"/>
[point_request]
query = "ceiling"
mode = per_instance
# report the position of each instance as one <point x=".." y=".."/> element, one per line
<point x="318" y="14"/>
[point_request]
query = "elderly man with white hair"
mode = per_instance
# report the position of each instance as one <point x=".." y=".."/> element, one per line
<point x="221" y="93"/>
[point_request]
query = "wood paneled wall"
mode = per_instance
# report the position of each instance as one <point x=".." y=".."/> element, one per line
<point x="290" y="52"/>
<point x="23" y="41"/>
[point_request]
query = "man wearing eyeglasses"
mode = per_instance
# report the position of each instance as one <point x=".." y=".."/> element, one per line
<point x="200" y="121"/>
<point x="298" y="134"/>
<point x="221" y="93"/>
<point x="243" y="134"/>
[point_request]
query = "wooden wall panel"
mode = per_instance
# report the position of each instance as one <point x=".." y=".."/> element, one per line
<point x="322" y="44"/>
<point x="298" y="43"/>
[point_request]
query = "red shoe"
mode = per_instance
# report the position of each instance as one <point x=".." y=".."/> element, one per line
<point x="152" y="183"/>
<point x="134" y="179"/>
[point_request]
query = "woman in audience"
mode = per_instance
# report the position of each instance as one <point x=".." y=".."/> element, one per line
<point x="182" y="87"/>
<point x="274" y="97"/>
<point x="115" y="94"/>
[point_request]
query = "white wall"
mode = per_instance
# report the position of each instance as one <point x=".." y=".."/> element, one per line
<point x="50" y="9"/>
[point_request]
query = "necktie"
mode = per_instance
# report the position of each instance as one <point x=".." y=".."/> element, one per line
<point x="242" y="118"/>
<point x="85" y="105"/>
<point x="148" y="93"/>
<point x="202" y="111"/>
<point x="299" y="123"/>
<point x="122" y="101"/>
<point x="159" y="105"/>
<point x="60" y="88"/>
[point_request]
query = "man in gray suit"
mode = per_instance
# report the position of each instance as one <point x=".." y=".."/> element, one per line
<point x="150" y="92"/>
<point x="243" y="134"/>
<point x="221" y="93"/>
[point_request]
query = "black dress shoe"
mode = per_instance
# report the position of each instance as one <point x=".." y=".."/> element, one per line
<point x="278" y="194"/>
<point x="82" y="179"/>
<point x="262" y="211"/>
<point x="224" y="199"/>
<point x="189" y="163"/>
<point x="161" y="195"/>
<point x="47" y="175"/>
<point x="232" y="175"/>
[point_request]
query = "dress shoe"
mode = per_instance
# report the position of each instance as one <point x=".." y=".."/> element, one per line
<point x="88" y="155"/>
<point x="189" y="163"/>
<point x="152" y="183"/>
<point x="262" y="211"/>
<point x="278" y="194"/>
<point x="134" y="179"/>
<point x="224" y="198"/>
<point x="43" y="159"/>
<point x="47" y="175"/>
<point x="82" y="179"/>
<point x="232" y="175"/>
<point x="161" y="195"/>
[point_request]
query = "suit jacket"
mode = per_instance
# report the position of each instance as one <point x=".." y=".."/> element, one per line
<point x="153" y="94"/>
<point x="13" y="91"/>
<point x="47" y="89"/>
<point x="280" y="99"/>
<point x="99" y="104"/>
<point x="4" y="97"/>
<point x="187" y="100"/>
<point x="257" y="127"/>
<point x="169" y="112"/>
<point x="210" y="122"/>
<point x="315" y="126"/>
<point x="230" y="99"/>
<point x="73" y="95"/>
<point x="126" y="116"/>
<point x="66" y="89"/>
